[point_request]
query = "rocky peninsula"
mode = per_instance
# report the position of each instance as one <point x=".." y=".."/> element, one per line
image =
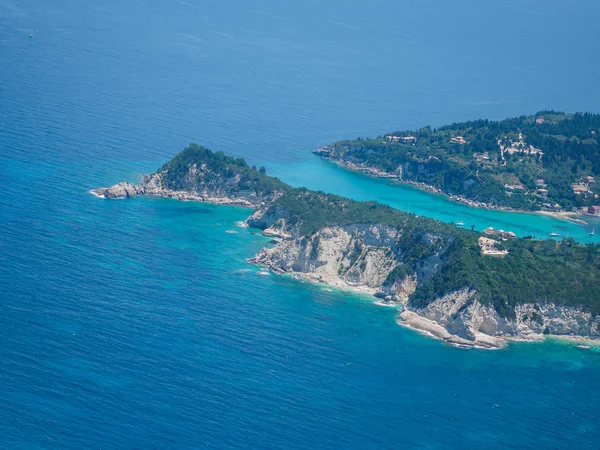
<point x="436" y="274"/>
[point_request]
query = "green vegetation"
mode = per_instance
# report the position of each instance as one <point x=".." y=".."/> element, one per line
<point x="217" y="171"/>
<point x="444" y="258"/>
<point x="533" y="271"/>
<point x="493" y="162"/>
<point x="316" y="210"/>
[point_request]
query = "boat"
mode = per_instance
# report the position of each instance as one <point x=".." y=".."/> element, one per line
<point x="593" y="232"/>
<point x="554" y="234"/>
<point x="31" y="34"/>
<point x="460" y="223"/>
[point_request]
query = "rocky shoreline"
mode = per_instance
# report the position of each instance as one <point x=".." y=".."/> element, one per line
<point x="357" y="257"/>
<point x="374" y="172"/>
<point x="364" y="259"/>
<point x="151" y="186"/>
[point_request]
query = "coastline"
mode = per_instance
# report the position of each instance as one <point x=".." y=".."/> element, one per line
<point x="406" y="318"/>
<point x="311" y="278"/>
<point x="563" y="215"/>
<point x="432" y="329"/>
<point x="125" y="190"/>
<point x="574" y="340"/>
<point x="414" y="321"/>
<point x="376" y="173"/>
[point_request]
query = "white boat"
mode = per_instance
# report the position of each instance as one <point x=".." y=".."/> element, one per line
<point x="460" y="223"/>
<point x="554" y="234"/>
<point x="593" y="232"/>
<point x="31" y="34"/>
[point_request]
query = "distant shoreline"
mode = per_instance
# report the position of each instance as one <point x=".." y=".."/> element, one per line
<point x="375" y="173"/>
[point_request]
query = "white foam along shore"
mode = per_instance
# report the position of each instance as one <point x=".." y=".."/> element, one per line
<point x="430" y="328"/>
<point x="414" y="321"/>
<point x="362" y="291"/>
<point x="407" y="319"/>
<point x="427" y="327"/>
<point x="577" y="340"/>
<point x="96" y="194"/>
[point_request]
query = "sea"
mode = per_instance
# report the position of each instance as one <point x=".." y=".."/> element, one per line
<point x="139" y="324"/>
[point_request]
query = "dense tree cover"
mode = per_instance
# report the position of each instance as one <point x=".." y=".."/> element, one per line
<point x="444" y="257"/>
<point x="316" y="210"/>
<point x="216" y="168"/>
<point x="533" y="271"/>
<point x="477" y="169"/>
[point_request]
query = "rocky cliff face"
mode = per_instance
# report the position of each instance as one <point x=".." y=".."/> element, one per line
<point x="388" y="261"/>
<point x="198" y="184"/>
<point x="461" y="319"/>
<point x="363" y="257"/>
<point x="357" y="256"/>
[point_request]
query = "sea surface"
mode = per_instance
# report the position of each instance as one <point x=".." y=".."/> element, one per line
<point x="139" y="323"/>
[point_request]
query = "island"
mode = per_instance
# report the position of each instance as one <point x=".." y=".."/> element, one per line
<point x="549" y="161"/>
<point x="462" y="286"/>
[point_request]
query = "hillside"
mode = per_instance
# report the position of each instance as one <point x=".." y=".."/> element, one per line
<point x="397" y="256"/>
<point x="546" y="161"/>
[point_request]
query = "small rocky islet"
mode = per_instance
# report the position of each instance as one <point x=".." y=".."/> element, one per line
<point x="445" y="280"/>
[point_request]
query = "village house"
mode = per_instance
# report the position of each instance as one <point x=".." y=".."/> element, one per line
<point x="510" y="188"/>
<point x="458" y="140"/>
<point x="595" y="210"/>
<point x="540" y="182"/>
<point x="504" y="235"/>
<point x="401" y="138"/>
<point x="488" y="247"/>
<point x="581" y="189"/>
<point x="540" y="120"/>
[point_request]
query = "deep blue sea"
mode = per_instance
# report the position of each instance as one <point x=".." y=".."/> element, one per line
<point x="139" y="324"/>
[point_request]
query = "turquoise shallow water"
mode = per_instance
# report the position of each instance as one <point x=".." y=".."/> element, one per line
<point x="139" y="324"/>
<point x="324" y="175"/>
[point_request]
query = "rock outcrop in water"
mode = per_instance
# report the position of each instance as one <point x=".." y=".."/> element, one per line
<point x="435" y="272"/>
<point x="121" y="190"/>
